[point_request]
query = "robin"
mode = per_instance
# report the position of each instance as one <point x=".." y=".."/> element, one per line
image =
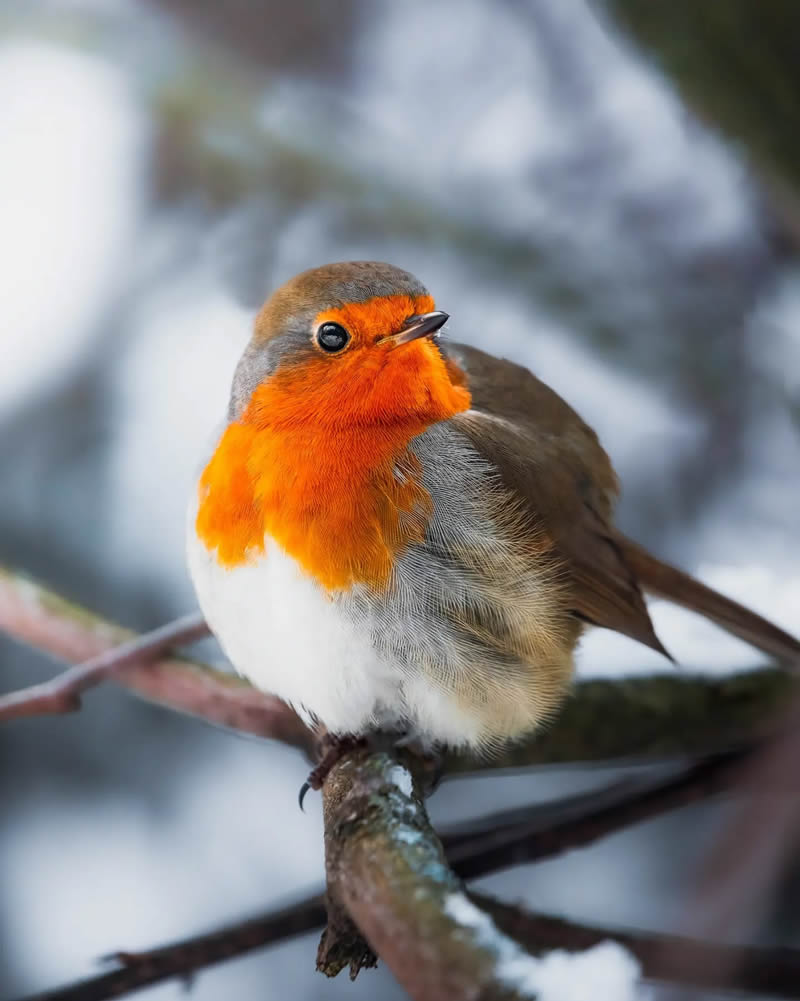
<point x="394" y="533"/>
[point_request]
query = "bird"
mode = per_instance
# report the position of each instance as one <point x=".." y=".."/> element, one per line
<point x="395" y="533"/>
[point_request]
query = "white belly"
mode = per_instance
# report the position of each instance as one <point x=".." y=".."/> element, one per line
<point x="281" y="631"/>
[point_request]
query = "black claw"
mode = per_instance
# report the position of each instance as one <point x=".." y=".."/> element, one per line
<point x="302" y="794"/>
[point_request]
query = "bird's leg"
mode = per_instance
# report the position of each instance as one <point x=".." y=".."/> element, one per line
<point x="330" y="747"/>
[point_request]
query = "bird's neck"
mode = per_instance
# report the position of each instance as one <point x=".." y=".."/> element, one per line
<point x="342" y="504"/>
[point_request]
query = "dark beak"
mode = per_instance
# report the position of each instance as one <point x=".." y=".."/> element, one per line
<point x="422" y="325"/>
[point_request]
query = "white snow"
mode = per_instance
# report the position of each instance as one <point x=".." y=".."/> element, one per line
<point x="514" y="967"/>
<point x="605" y="973"/>
<point x="401" y="777"/>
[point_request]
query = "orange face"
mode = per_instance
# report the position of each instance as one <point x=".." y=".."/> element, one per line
<point x="319" y="460"/>
<point x="371" y="381"/>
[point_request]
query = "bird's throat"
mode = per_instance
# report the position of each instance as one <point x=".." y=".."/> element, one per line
<point x="343" y="508"/>
<point x="322" y="466"/>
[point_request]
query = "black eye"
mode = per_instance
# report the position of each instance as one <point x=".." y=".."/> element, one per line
<point x="332" y="337"/>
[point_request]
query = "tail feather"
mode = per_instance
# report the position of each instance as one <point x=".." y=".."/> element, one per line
<point x="668" y="582"/>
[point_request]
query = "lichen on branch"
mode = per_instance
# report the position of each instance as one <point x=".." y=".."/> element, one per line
<point x="387" y="871"/>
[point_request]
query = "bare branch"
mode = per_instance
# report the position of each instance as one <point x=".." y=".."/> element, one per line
<point x="35" y="615"/>
<point x="183" y="959"/>
<point x="546" y="830"/>
<point x="62" y="694"/>
<point x="766" y="971"/>
<point x="386" y="872"/>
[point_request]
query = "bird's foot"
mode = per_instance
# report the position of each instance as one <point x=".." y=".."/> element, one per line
<point x="330" y="748"/>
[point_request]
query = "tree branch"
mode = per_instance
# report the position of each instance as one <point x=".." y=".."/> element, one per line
<point x="656" y="716"/>
<point x="520" y="837"/>
<point x="771" y="972"/>
<point x="62" y="694"/>
<point x="41" y="618"/>
<point x="386" y="870"/>
<point x="505" y="840"/>
<point x="183" y="959"/>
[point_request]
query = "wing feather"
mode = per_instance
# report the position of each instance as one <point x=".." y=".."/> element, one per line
<point x="551" y="459"/>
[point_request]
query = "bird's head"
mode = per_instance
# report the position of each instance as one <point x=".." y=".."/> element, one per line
<point x="348" y="344"/>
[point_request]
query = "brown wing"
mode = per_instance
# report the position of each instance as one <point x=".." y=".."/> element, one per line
<point x="548" y="456"/>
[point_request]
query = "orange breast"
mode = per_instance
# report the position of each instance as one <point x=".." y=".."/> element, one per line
<point x="343" y="513"/>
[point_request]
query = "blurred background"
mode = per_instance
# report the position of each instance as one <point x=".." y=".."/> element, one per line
<point x="163" y="165"/>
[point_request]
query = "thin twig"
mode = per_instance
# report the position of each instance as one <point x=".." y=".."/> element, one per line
<point x="35" y="615"/>
<point x="183" y="959"/>
<point x="544" y="831"/>
<point x="62" y="694"/>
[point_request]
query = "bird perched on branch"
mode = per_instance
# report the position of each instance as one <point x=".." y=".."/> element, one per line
<point x="397" y="533"/>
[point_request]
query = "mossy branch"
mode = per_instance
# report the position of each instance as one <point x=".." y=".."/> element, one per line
<point x="387" y="871"/>
<point x="655" y="716"/>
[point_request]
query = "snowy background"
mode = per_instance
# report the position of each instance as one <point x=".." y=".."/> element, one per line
<point x="164" y="165"/>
